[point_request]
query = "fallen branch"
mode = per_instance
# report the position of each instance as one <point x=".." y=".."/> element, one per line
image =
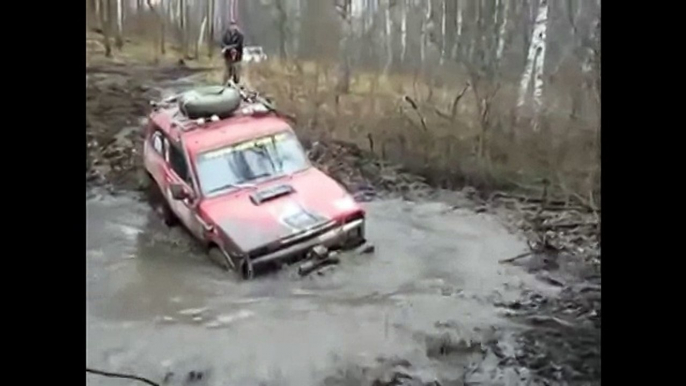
<point x="570" y="225"/>
<point x="528" y="199"/>
<point x="120" y="375"/>
<point x="541" y="320"/>
<point x="520" y="256"/>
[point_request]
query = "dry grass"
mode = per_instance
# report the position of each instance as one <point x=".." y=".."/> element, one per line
<point x="375" y="114"/>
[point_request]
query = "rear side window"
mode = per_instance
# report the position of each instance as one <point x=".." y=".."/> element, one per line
<point x="157" y="142"/>
<point x="178" y="163"/>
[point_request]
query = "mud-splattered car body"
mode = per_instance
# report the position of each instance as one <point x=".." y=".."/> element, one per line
<point x="275" y="217"/>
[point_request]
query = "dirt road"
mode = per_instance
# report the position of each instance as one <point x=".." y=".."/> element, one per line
<point x="432" y="306"/>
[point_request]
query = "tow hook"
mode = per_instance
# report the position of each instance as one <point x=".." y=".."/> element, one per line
<point x="318" y="257"/>
<point x="247" y="269"/>
<point x="365" y="248"/>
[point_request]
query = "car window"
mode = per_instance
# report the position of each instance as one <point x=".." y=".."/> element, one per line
<point x="247" y="162"/>
<point x="157" y="143"/>
<point x="178" y="163"/>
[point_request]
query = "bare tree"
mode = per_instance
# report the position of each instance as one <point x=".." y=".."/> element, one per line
<point x="444" y="30"/>
<point x="403" y="30"/>
<point x="388" y="36"/>
<point x="343" y="8"/>
<point x="161" y="24"/>
<point x="210" y="33"/>
<point x="535" y="61"/>
<point x="282" y="25"/>
<point x="459" y="4"/>
<point x="503" y="6"/>
<point x="183" y="26"/>
<point x="105" y="8"/>
<point x="119" y="39"/>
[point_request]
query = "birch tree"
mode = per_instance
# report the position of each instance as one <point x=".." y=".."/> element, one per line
<point x="389" y="37"/>
<point x="119" y="39"/>
<point x="210" y="28"/>
<point x="502" y="34"/>
<point x="535" y="61"/>
<point x="458" y="28"/>
<point x="426" y="27"/>
<point x="403" y="30"/>
<point x="444" y="28"/>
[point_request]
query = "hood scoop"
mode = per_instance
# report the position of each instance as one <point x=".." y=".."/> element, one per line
<point x="271" y="193"/>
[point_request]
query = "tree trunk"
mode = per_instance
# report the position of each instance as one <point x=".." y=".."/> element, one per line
<point x="282" y="20"/>
<point x="403" y="31"/>
<point x="389" y="38"/>
<point x="297" y="26"/>
<point x="444" y="28"/>
<point x="535" y="60"/>
<point x="457" y="44"/>
<point x="201" y="37"/>
<point x="210" y="32"/>
<point x="161" y="21"/>
<point x="344" y="75"/>
<point x="503" y="27"/>
<point x="105" y="23"/>
<point x="182" y="23"/>
<point x="425" y="32"/>
<point x="119" y="39"/>
<point x="98" y="11"/>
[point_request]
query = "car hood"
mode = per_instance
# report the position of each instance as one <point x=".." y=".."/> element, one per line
<point x="315" y="200"/>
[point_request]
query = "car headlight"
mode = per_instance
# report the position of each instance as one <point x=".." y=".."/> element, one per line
<point x="345" y="203"/>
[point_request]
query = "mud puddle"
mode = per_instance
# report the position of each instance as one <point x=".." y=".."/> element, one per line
<point x="156" y="305"/>
<point x="432" y="304"/>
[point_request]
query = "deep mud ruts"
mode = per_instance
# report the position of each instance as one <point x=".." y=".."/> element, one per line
<point x="433" y="306"/>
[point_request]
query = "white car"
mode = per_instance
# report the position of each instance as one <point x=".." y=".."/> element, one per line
<point x="254" y="54"/>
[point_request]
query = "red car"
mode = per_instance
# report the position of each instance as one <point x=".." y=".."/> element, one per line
<point x="244" y="187"/>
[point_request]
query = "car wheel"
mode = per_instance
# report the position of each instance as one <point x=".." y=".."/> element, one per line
<point x="168" y="216"/>
<point x="218" y="257"/>
<point x="158" y="202"/>
<point x="152" y="191"/>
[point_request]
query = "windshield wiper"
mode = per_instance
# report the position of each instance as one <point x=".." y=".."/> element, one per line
<point x="237" y="186"/>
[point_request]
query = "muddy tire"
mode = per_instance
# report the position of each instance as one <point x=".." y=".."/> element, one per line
<point x="217" y="257"/>
<point x="168" y="216"/>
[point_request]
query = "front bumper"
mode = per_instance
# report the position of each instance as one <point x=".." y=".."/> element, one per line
<point x="349" y="235"/>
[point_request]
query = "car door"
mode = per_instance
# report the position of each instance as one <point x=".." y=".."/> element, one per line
<point x="180" y="173"/>
<point x="154" y="156"/>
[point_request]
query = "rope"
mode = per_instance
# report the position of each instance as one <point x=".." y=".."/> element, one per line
<point x="120" y="375"/>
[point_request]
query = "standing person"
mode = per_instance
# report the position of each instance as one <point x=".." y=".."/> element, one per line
<point x="232" y="50"/>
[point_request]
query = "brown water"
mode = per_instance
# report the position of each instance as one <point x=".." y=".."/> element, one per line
<point x="155" y="304"/>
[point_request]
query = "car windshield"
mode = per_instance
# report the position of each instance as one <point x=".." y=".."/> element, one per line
<point x="241" y="164"/>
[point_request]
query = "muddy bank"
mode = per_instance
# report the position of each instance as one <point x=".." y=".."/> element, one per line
<point x="436" y="257"/>
<point x="117" y="101"/>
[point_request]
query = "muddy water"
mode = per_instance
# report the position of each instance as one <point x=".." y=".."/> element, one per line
<point x="157" y="306"/>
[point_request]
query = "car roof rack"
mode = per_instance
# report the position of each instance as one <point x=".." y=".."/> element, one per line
<point x="253" y="104"/>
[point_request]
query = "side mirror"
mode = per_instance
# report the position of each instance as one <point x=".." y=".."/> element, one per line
<point x="179" y="192"/>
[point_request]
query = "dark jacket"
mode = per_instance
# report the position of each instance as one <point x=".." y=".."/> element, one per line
<point x="234" y="40"/>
